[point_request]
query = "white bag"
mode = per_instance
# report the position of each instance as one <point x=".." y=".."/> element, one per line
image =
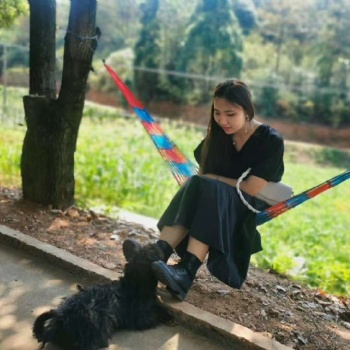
<point x="272" y="193"/>
<point x="275" y="192"/>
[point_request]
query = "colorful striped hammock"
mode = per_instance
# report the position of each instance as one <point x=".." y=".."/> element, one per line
<point x="182" y="168"/>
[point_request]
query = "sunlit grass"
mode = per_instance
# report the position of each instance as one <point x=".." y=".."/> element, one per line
<point x="121" y="166"/>
<point x="317" y="231"/>
<point x="10" y="150"/>
<point x="116" y="165"/>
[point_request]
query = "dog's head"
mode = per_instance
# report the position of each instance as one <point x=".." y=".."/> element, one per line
<point x="138" y="269"/>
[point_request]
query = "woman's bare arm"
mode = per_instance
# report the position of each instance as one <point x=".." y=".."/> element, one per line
<point x="251" y="185"/>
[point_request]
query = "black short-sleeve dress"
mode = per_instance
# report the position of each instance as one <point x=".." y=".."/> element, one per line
<point x="214" y="214"/>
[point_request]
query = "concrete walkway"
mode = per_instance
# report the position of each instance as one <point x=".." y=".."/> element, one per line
<point x="34" y="276"/>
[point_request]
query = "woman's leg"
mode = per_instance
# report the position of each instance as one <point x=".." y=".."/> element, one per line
<point x="173" y="235"/>
<point x="197" y="248"/>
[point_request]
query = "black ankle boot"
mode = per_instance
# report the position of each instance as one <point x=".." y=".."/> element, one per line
<point x="179" y="277"/>
<point x="166" y="248"/>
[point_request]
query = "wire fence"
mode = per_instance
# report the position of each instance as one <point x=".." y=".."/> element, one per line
<point x="11" y="112"/>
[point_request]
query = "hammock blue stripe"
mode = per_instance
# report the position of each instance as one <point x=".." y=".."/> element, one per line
<point x="162" y="142"/>
<point x="144" y="115"/>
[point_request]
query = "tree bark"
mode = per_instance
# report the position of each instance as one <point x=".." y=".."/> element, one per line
<point x="42" y="54"/>
<point x="47" y="164"/>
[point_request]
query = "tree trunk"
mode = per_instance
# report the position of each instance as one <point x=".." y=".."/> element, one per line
<point x="47" y="164"/>
<point x="42" y="54"/>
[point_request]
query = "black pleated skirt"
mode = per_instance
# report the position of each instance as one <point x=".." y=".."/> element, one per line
<point x="214" y="214"/>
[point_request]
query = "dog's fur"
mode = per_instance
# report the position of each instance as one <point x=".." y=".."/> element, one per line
<point x="87" y="319"/>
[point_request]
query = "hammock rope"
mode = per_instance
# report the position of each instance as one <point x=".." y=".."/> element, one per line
<point x="182" y="168"/>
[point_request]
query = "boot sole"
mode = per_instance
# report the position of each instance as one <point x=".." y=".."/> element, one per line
<point x="166" y="277"/>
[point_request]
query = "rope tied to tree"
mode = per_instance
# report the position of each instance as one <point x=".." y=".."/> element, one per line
<point x="93" y="38"/>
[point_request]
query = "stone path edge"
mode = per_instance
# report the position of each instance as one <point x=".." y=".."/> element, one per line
<point x="227" y="332"/>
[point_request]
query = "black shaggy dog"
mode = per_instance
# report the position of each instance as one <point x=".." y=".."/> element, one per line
<point x="87" y="319"/>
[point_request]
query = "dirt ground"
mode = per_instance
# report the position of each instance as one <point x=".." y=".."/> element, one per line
<point x="294" y="315"/>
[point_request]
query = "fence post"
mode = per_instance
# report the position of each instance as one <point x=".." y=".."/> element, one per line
<point x="4" y="82"/>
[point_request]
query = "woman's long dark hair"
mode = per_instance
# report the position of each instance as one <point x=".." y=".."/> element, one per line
<point x="217" y="148"/>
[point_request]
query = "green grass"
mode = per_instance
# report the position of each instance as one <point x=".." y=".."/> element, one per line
<point x="118" y="166"/>
<point x="317" y="230"/>
<point x="10" y="150"/>
<point x="121" y="167"/>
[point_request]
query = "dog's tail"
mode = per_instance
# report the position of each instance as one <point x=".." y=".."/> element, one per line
<point x="40" y="330"/>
